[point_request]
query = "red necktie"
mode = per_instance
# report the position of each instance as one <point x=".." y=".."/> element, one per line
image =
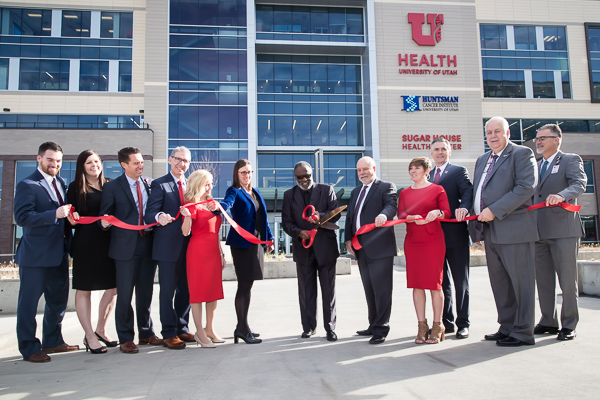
<point x="181" y="197"/>
<point x="140" y="205"/>
<point x="58" y="195"/>
<point x="436" y="178"/>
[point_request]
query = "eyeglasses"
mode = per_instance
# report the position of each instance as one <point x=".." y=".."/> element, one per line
<point x="302" y="177"/>
<point x="180" y="160"/>
<point x="540" y="138"/>
<point x="245" y="172"/>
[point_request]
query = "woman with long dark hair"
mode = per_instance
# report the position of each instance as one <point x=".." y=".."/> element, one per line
<point x="92" y="268"/>
<point x="248" y="209"/>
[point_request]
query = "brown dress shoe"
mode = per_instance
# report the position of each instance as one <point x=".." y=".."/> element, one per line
<point x="173" y="343"/>
<point x="38" y="357"/>
<point x="153" y="340"/>
<point x="63" y="348"/>
<point x="186" y="337"/>
<point x="129" y="347"/>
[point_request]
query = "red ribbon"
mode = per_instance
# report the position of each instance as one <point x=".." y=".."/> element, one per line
<point x="120" y="224"/>
<point x="369" y="227"/>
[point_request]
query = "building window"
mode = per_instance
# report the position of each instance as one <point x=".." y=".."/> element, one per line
<point x="333" y="24"/>
<point x="116" y="25"/>
<point x="588" y="167"/>
<point x="44" y="75"/>
<point x="76" y="23"/>
<point x="590" y="229"/>
<point x="93" y="76"/>
<point x="4" y="73"/>
<point x="10" y="120"/>
<point x="125" y="76"/>
<point x="592" y="34"/>
<point x="16" y="21"/>
<point x="514" y="66"/>
<point x="213" y="13"/>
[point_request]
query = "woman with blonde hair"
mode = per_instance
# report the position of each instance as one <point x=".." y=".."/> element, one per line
<point x="205" y="259"/>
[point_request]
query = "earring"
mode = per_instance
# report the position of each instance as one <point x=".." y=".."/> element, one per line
<point x="427" y="177"/>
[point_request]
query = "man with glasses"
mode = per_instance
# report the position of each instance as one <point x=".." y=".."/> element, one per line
<point x="319" y="259"/>
<point x="169" y="249"/>
<point x="504" y="180"/>
<point x="562" y="179"/>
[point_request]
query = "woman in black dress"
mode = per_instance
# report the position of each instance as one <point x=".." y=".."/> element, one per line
<point x="249" y="211"/>
<point x="92" y="268"/>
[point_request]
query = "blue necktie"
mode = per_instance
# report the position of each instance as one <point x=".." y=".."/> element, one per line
<point x="544" y="168"/>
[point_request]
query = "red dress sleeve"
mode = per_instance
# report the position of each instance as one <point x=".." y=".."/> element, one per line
<point x="443" y="204"/>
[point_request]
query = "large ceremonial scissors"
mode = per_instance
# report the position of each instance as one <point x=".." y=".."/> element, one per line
<point x="322" y="222"/>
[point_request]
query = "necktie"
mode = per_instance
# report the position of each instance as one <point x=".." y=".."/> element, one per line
<point x="544" y="168"/>
<point x="488" y="174"/>
<point x="62" y="203"/>
<point x="181" y="196"/>
<point x="140" y="205"/>
<point x="357" y="208"/>
<point x="436" y="179"/>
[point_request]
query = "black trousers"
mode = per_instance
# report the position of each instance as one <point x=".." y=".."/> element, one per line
<point x="174" y="297"/>
<point x="377" y="279"/>
<point x="307" y="294"/>
<point x="456" y="265"/>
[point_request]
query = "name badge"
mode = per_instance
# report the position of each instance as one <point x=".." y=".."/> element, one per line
<point x="555" y="169"/>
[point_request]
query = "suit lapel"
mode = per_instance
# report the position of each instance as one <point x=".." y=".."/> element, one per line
<point x="554" y="162"/>
<point x="372" y="190"/>
<point x="479" y="169"/>
<point x="443" y="174"/>
<point x="127" y="189"/>
<point x="44" y="185"/>
<point x="503" y="157"/>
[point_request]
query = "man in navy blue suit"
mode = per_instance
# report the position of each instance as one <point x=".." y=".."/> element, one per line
<point x="169" y="249"/>
<point x="126" y="198"/>
<point x="42" y="255"/>
<point x="455" y="181"/>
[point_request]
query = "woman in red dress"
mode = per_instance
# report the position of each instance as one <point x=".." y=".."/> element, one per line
<point x="205" y="259"/>
<point x="424" y="246"/>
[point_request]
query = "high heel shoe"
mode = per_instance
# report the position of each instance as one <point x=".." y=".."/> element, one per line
<point x="209" y="345"/>
<point x="248" y="338"/>
<point x="112" y="343"/>
<point x="422" y="333"/>
<point x="99" y="350"/>
<point x="213" y="339"/>
<point x="438" y="333"/>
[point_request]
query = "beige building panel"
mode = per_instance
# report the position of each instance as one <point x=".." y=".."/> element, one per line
<point x="534" y="108"/>
<point x="537" y="11"/>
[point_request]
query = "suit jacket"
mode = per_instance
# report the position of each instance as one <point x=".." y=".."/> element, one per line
<point x="243" y="212"/>
<point x="564" y="176"/>
<point x="381" y="199"/>
<point x="42" y="244"/>
<point x="325" y="244"/>
<point x="118" y="200"/>
<point x="508" y="193"/>
<point x="168" y="242"/>
<point x="458" y="187"/>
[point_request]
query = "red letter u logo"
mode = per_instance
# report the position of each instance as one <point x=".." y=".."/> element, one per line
<point x="435" y="21"/>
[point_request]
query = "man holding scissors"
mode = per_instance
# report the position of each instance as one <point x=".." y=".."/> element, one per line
<point x="305" y="207"/>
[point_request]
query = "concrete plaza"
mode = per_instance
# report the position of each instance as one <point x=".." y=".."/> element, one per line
<point x="287" y="367"/>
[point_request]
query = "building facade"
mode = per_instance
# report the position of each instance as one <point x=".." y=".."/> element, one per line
<point x="282" y="81"/>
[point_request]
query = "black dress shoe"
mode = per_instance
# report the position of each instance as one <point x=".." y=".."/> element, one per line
<point x="331" y="336"/>
<point x="366" y="332"/>
<point x="541" y="329"/>
<point x="511" y="342"/>
<point x="462" y="333"/>
<point x="566" y="334"/>
<point x="306" y="335"/>
<point x="377" y="339"/>
<point x="495" y="336"/>
<point x="449" y="329"/>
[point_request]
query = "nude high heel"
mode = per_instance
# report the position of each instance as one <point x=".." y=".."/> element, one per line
<point x="438" y="333"/>
<point x="422" y="333"/>
<point x="209" y="345"/>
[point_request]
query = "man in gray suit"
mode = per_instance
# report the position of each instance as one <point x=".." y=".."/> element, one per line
<point x="562" y="178"/>
<point x="505" y="179"/>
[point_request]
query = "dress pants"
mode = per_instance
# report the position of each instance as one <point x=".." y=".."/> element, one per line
<point x="53" y="283"/>
<point x="174" y="297"/>
<point x="377" y="279"/>
<point x="557" y="257"/>
<point x="307" y="294"/>
<point x="456" y="265"/>
<point x="512" y="277"/>
<point x="137" y="272"/>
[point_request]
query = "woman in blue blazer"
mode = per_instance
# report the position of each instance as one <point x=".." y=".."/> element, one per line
<point x="247" y="207"/>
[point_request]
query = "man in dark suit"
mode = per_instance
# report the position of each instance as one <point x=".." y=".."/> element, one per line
<point x="321" y="257"/>
<point x="455" y="181"/>
<point x="505" y="179"/>
<point x="42" y="255"/>
<point x="375" y="201"/>
<point x="126" y="198"/>
<point x="562" y="178"/>
<point x="169" y="249"/>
